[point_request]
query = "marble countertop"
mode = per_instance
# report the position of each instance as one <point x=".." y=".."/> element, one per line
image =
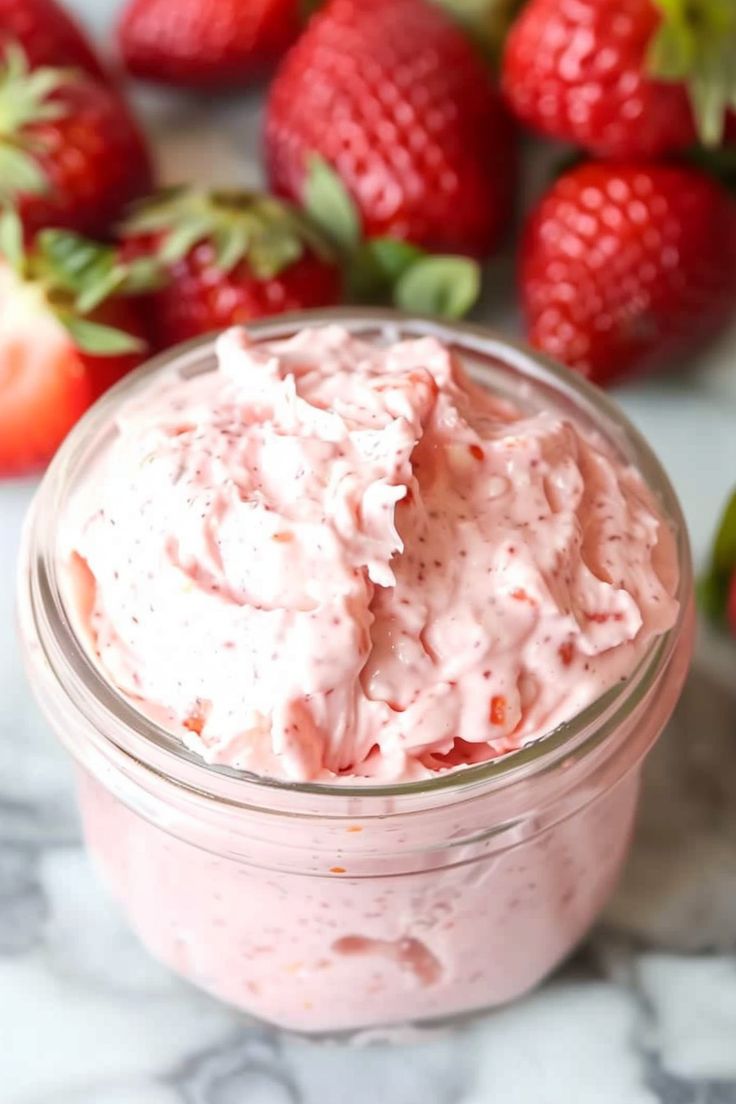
<point x="644" y="1014"/>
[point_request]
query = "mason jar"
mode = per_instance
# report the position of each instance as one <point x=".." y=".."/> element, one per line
<point x="336" y="907"/>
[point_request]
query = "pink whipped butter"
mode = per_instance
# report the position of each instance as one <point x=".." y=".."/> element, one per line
<point x="336" y="558"/>
<point x="341" y="561"/>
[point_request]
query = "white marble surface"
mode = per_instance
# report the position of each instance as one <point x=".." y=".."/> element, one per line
<point x="645" y="1014"/>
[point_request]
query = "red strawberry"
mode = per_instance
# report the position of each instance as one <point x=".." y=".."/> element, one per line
<point x="613" y="76"/>
<point x="47" y="34"/>
<point x="625" y="265"/>
<point x="65" y="336"/>
<point x="209" y="44"/>
<point x="230" y="257"/>
<point x="393" y="95"/>
<point x="71" y="154"/>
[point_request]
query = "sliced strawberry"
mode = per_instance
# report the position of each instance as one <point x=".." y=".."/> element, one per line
<point x="65" y="336"/>
<point x="44" y="388"/>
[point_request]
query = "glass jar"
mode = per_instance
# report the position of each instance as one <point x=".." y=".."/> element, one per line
<point x="332" y="907"/>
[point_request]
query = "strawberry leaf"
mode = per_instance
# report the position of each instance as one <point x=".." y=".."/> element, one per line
<point x="445" y="286"/>
<point x="392" y="257"/>
<point x="155" y="212"/>
<point x="670" y="53"/>
<point x="26" y="97"/>
<point x="695" y="44"/>
<point x="376" y="265"/>
<point x="73" y="261"/>
<point x="714" y="585"/>
<point x="98" y="291"/>
<point x="141" y="275"/>
<point x="184" y="237"/>
<point x="231" y="245"/>
<point x="74" y="276"/>
<point x="98" y="340"/>
<point x="267" y="233"/>
<point x="20" y="172"/>
<point x="89" y="272"/>
<point x="709" y="98"/>
<point x="724" y="549"/>
<point x="269" y="255"/>
<point x="11" y="239"/>
<point x="329" y="205"/>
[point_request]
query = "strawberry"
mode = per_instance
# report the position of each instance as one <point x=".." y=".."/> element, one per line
<point x="717" y="588"/>
<point x="230" y="257"/>
<point x="71" y="154"/>
<point x="393" y="95"/>
<point x="66" y="334"/>
<point x="47" y="35"/>
<point x="203" y="44"/>
<point x="623" y="78"/>
<point x="626" y="265"/>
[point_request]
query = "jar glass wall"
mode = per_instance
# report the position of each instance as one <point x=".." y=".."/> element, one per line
<point x="328" y="907"/>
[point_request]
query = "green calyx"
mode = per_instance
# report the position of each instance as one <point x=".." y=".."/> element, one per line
<point x="25" y="98"/>
<point x="384" y="268"/>
<point x="77" y="276"/>
<point x="486" y="21"/>
<point x="307" y="8"/>
<point x="696" y="45"/>
<point x="714" y="585"/>
<point x="270" y="234"/>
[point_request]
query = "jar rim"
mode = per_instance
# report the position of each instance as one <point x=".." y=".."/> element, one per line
<point x="140" y="738"/>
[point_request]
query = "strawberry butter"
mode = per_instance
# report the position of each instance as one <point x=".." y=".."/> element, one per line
<point x="363" y="632"/>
